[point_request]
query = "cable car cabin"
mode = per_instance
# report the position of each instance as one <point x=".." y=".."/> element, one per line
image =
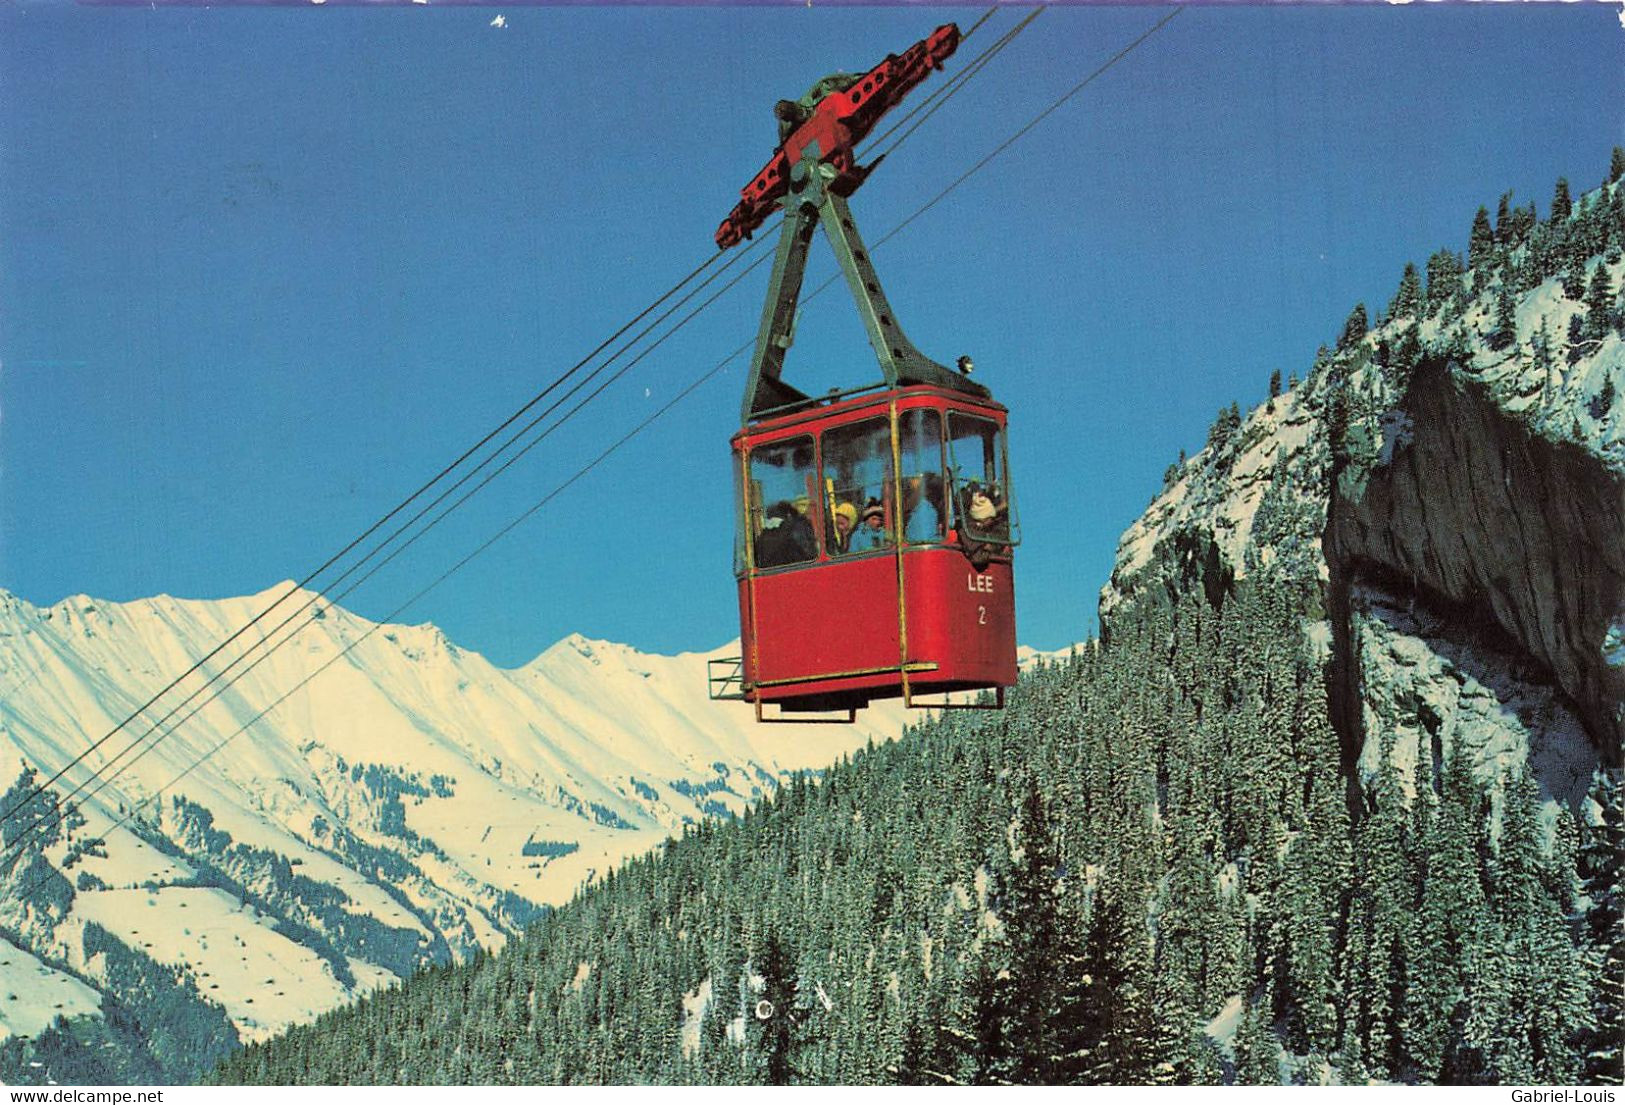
<point x="874" y="527"/>
<point x="873" y="551"/>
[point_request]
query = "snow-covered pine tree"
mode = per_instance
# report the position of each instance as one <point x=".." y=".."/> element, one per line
<point x="1444" y="272"/>
<point x="1506" y="320"/>
<point x="1407" y="301"/>
<point x="1354" y="328"/>
<point x="1562" y="204"/>
<point x="1602" y="883"/>
<point x="1481" y="240"/>
<point x="1599" y="301"/>
<point x="1258" y="1052"/>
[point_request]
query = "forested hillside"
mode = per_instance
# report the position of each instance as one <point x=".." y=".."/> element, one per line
<point x="244" y="863"/>
<point x="1143" y="871"/>
<point x="1291" y="820"/>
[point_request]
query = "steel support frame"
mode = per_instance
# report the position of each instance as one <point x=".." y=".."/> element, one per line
<point x="810" y="205"/>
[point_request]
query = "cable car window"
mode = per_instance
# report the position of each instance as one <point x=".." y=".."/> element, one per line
<point x="919" y="441"/>
<point x="781" y="479"/>
<point x="981" y="486"/>
<point x="857" y="487"/>
<point x="739" y="515"/>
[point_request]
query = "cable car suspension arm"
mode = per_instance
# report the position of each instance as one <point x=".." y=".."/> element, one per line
<point x="812" y="187"/>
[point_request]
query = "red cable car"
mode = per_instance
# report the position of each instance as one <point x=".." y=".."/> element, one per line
<point x="875" y="526"/>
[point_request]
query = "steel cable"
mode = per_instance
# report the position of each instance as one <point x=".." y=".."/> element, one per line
<point x="580" y="473"/>
<point x="445" y="471"/>
<point x="944" y="92"/>
<point x="368" y="532"/>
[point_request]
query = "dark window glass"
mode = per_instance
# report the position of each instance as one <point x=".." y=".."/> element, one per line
<point x="781" y="507"/>
<point x="919" y="439"/>
<point x="857" y="487"/>
<point x="982" y="504"/>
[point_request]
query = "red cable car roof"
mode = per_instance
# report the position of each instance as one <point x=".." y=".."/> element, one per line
<point x="818" y="411"/>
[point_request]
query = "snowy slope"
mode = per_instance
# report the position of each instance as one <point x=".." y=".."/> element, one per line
<point x="413" y="801"/>
<point x="34" y="994"/>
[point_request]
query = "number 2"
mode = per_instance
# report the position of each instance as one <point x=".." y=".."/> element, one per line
<point x="981" y="615"/>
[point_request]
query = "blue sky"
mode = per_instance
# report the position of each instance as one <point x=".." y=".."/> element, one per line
<point x="265" y="270"/>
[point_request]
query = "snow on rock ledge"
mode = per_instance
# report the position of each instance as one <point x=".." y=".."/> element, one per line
<point x="1504" y="524"/>
<point x="1426" y="696"/>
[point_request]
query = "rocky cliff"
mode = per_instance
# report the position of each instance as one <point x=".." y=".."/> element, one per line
<point x="1514" y="535"/>
<point x="1453" y="477"/>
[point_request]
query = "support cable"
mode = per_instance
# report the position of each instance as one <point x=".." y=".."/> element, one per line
<point x="319" y="592"/>
<point x="368" y="532"/>
<point x="580" y="473"/>
<point x="940" y="96"/>
<point x="62" y="803"/>
<point x="945" y="92"/>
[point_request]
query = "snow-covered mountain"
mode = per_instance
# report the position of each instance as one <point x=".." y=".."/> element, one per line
<point x="412" y="803"/>
<point x="1454" y="475"/>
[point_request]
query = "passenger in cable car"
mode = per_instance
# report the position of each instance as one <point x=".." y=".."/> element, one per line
<point x="857" y="469"/>
<point x="845" y="519"/>
<point x="786" y="538"/>
<point x="986" y="517"/>
<point x="871" y="533"/>
<point x="986" y="512"/>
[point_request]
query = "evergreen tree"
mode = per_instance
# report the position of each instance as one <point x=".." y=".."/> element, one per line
<point x="1603" y="401"/>
<point x="1407" y="301"/>
<point x="1576" y="339"/>
<point x="1541" y="348"/>
<point x="1548" y="1011"/>
<point x="1308" y="990"/>
<point x="29" y="819"/>
<point x="1574" y="279"/>
<point x="1115" y="1015"/>
<point x="1030" y="985"/>
<point x="1600" y="314"/>
<point x="1505" y="221"/>
<point x="1602" y="875"/>
<point x="1450" y="918"/>
<point x="1562" y="206"/>
<point x="1616" y="165"/>
<point x="1375" y="967"/>
<point x="774" y="1011"/>
<point x="1481" y="244"/>
<point x="1258" y="1052"/>
<point x="1354" y="328"/>
<point x="977" y="1039"/>
<point x="1444" y="273"/>
<point x="1506" y="320"/>
<point x="1223" y="431"/>
<point x="1337" y="416"/>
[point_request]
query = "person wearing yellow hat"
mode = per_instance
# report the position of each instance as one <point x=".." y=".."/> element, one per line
<point x="844" y="518"/>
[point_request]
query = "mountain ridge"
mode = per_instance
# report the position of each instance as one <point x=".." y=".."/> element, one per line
<point x="1288" y="821"/>
<point x="414" y="803"/>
